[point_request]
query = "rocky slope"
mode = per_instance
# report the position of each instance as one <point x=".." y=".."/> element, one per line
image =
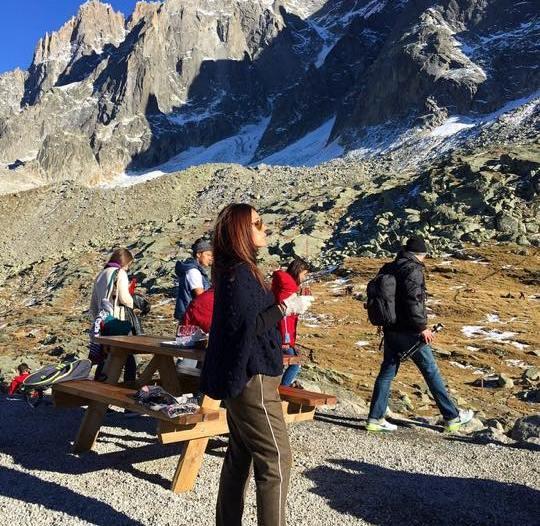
<point x="100" y="97"/>
<point x="326" y="213"/>
<point x="106" y="94"/>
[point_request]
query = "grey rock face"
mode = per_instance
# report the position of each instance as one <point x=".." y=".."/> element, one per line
<point x="59" y="56"/>
<point x="450" y="56"/>
<point x="12" y="89"/>
<point x="181" y="74"/>
<point x="67" y="156"/>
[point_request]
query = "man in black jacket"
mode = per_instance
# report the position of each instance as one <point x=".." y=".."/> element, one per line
<point x="410" y="327"/>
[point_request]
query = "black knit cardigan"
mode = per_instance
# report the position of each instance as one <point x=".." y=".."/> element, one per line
<point x="244" y="338"/>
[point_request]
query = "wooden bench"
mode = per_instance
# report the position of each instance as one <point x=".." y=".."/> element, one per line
<point x="299" y="405"/>
<point x="77" y="392"/>
<point x="303" y="397"/>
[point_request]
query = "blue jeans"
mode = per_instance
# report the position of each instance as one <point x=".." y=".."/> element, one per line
<point x="395" y="342"/>
<point x="292" y="371"/>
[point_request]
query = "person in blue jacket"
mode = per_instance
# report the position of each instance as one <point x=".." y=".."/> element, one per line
<point x="192" y="276"/>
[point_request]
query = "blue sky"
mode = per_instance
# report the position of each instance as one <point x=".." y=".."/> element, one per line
<point x="23" y="22"/>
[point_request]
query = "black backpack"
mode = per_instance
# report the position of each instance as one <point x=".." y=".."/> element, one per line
<point x="381" y="297"/>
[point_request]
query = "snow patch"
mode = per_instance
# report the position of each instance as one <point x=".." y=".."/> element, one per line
<point x="517" y="363"/>
<point x="472" y="331"/>
<point x="239" y="149"/>
<point x="458" y="123"/>
<point x="519" y="345"/>
<point x="311" y="150"/>
<point x="452" y="125"/>
<point x="477" y="331"/>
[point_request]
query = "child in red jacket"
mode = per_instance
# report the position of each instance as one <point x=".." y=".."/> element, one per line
<point x="284" y="284"/>
<point x="24" y="372"/>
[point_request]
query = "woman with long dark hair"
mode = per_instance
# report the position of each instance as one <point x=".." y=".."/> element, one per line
<point x="243" y="367"/>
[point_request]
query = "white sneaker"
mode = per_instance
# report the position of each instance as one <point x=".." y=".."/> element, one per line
<point x="465" y="416"/>
<point x="381" y="425"/>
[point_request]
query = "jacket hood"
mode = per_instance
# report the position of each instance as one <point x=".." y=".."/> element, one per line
<point x="183" y="266"/>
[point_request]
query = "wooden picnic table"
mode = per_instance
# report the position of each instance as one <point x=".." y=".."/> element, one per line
<point x="193" y="429"/>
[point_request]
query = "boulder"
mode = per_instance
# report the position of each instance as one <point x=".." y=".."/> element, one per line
<point x="505" y="381"/>
<point x="507" y="223"/>
<point x="532" y="373"/>
<point x="473" y="426"/>
<point x="526" y="428"/>
<point x="492" y="435"/>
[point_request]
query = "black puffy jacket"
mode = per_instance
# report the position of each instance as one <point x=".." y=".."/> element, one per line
<point x="410" y="294"/>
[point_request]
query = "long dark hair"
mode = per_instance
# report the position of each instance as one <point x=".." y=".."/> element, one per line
<point x="233" y="242"/>
<point x="296" y="267"/>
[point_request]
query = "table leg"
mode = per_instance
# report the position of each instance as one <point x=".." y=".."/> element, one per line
<point x="146" y="376"/>
<point x="191" y="458"/>
<point x="168" y="375"/>
<point x="95" y="413"/>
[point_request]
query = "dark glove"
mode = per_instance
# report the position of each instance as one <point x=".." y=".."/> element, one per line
<point x="141" y="303"/>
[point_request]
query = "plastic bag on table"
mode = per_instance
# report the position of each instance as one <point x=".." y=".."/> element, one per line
<point x="191" y="336"/>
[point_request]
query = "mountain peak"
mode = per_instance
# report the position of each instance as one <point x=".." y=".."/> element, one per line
<point x="321" y="76"/>
<point x="95" y="25"/>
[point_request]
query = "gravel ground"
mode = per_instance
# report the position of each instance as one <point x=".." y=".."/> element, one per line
<point x="341" y="476"/>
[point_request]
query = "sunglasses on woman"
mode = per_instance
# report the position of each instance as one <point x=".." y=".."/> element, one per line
<point x="258" y="224"/>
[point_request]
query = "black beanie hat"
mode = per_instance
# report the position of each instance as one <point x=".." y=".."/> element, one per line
<point x="417" y="245"/>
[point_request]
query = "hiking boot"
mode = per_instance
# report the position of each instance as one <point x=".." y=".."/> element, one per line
<point x="465" y="416"/>
<point x="297" y="385"/>
<point x="381" y="425"/>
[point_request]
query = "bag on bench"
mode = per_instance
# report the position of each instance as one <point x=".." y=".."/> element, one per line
<point x="34" y="384"/>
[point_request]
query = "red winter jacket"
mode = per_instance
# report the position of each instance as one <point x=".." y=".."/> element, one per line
<point x="283" y="286"/>
<point x="17" y="382"/>
<point x="199" y="311"/>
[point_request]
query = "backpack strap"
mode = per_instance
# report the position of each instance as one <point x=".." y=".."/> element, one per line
<point x="115" y="306"/>
<point x="110" y="285"/>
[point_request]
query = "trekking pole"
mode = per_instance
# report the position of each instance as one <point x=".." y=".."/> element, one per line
<point x="407" y="354"/>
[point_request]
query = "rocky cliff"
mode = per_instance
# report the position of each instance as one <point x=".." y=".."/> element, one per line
<point x="105" y="94"/>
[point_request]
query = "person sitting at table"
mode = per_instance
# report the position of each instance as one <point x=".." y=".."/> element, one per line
<point x="284" y="284"/>
<point x="112" y="284"/>
<point x="243" y="367"/>
<point x="199" y="311"/>
<point x="192" y="276"/>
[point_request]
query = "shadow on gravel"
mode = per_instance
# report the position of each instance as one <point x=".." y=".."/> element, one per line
<point x="360" y="423"/>
<point x="519" y="445"/>
<point x="382" y="496"/>
<point x="27" y="488"/>
<point x="342" y="421"/>
<point x="22" y="429"/>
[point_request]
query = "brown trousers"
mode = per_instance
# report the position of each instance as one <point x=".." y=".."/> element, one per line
<point x="257" y="436"/>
